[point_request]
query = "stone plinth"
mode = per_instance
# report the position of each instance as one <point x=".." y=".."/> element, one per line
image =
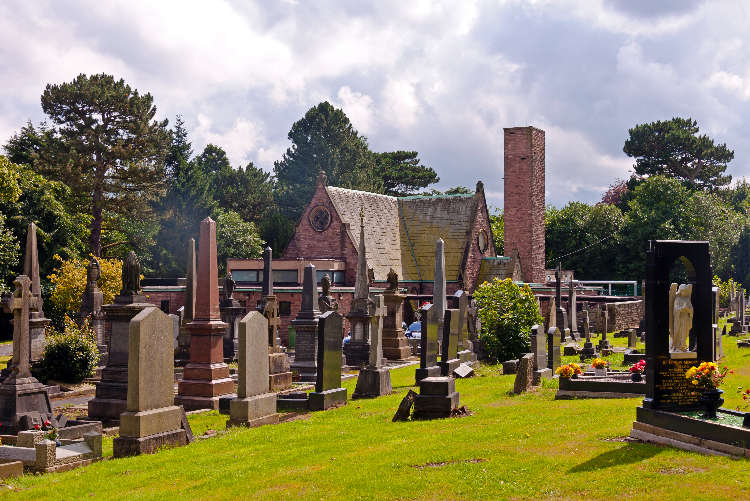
<point x="279" y="373"/>
<point x="206" y="377"/>
<point x="395" y="344"/>
<point x="437" y="398"/>
<point x="254" y="404"/>
<point x="150" y="420"/>
<point x="373" y="382"/>
<point x="112" y="390"/>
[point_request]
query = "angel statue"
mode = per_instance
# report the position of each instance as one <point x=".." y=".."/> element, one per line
<point x="680" y="317"/>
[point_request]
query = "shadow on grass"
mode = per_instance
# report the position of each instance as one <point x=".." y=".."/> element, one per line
<point x="630" y="453"/>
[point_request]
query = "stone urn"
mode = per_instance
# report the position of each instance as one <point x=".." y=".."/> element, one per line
<point x="711" y="400"/>
<point x="636" y="377"/>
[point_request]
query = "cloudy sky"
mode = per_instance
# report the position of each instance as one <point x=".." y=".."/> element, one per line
<point x="439" y="78"/>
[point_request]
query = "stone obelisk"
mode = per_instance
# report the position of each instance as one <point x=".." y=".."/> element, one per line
<point x="37" y="322"/>
<point x="357" y="351"/>
<point x="206" y="377"/>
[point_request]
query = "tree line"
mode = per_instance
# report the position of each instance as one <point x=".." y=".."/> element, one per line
<point x="102" y="176"/>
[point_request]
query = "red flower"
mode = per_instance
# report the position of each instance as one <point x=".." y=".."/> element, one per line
<point x="36" y="426"/>
<point x="46" y="423"/>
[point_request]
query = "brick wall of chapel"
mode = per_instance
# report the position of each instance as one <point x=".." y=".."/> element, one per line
<point x="332" y="243"/>
<point x="474" y="255"/>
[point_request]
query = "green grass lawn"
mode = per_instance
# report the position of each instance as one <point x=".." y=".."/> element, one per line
<point x="511" y="447"/>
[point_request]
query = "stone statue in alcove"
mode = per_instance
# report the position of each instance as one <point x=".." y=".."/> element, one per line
<point x="680" y="317"/>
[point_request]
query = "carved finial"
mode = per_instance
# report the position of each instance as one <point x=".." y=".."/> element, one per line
<point x="392" y="280"/>
<point x="362" y="217"/>
<point x="480" y="187"/>
<point x="322" y="178"/>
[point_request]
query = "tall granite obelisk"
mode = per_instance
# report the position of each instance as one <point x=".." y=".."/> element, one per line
<point x="206" y="376"/>
<point x="357" y="351"/>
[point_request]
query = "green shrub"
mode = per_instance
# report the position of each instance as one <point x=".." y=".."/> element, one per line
<point x="507" y="312"/>
<point x="725" y="288"/>
<point x="69" y="356"/>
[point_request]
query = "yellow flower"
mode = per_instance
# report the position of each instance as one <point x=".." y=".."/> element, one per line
<point x="695" y="382"/>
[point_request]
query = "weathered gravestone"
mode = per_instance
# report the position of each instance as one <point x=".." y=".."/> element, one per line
<point x="91" y="308"/>
<point x="112" y="390"/>
<point x="525" y="375"/>
<point x="375" y="379"/>
<point x="306" y="329"/>
<point x="328" y="391"/>
<point x="572" y="313"/>
<point x="632" y="338"/>
<point x="449" y="360"/>
<point x="604" y="344"/>
<point x="539" y="350"/>
<point x="553" y="349"/>
<point x="151" y="420"/>
<point x="431" y="324"/>
<point x="206" y="377"/>
<point x="23" y="400"/>
<point x="561" y="316"/>
<point x="254" y="405"/>
<point x="182" y="355"/>
<point x="437" y="398"/>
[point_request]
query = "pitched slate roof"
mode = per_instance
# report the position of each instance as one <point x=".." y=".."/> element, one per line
<point x="400" y="233"/>
<point x="424" y="219"/>
<point x="382" y="241"/>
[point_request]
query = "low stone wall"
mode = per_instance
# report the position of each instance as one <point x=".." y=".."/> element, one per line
<point x="626" y="315"/>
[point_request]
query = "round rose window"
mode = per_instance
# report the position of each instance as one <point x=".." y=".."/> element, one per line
<point x="320" y="218"/>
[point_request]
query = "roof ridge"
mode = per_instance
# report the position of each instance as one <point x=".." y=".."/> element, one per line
<point x="361" y="191"/>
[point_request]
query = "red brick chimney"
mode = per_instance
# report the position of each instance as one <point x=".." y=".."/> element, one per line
<point x="524" y="199"/>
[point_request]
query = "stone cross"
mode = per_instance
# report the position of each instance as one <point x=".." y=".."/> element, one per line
<point x="21" y="304"/>
<point x="438" y="290"/>
<point x="586" y="326"/>
<point x="271" y="313"/>
<point x="190" y="284"/>
<point x="376" y="333"/>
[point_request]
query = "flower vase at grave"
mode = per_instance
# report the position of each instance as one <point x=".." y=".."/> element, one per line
<point x="711" y="400"/>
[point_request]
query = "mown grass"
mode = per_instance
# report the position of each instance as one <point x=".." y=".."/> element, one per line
<point x="511" y="447"/>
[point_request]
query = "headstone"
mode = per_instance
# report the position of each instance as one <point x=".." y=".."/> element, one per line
<point x="572" y="314"/>
<point x="306" y="329"/>
<point x="279" y="372"/>
<point x="588" y="350"/>
<point x="666" y="385"/>
<point x="439" y="286"/>
<point x="720" y="341"/>
<point x="375" y="379"/>
<point x="357" y="350"/>
<point x="151" y="420"/>
<point x="465" y="345"/>
<point x="255" y="405"/>
<point x="525" y="375"/>
<point x="553" y="348"/>
<point x="437" y="398"/>
<point x="328" y="391"/>
<point x="23" y="400"/>
<point x="463" y="371"/>
<point x="395" y="344"/>
<point x="404" y="409"/>
<point x="715" y="304"/>
<point x="431" y="325"/>
<point x="539" y="350"/>
<point x="551" y="315"/>
<point x="183" y="349"/>
<point x="175" y="329"/>
<point x="37" y="322"/>
<point x="111" y="396"/>
<point x="449" y="360"/>
<point x="510" y="367"/>
<point x="206" y="377"/>
<point x="632" y="338"/>
<point x="561" y="316"/>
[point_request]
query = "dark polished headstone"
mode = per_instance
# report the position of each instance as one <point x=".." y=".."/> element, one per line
<point x="328" y="391"/>
<point x="553" y="348"/>
<point x="429" y="343"/>
<point x="449" y="356"/>
<point x="306" y="329"/>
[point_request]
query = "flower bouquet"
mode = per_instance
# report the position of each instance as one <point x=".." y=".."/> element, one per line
<point x="600" y="366"/>
<point x="637" y="370"/>
<point x="707" y="378"/>
<point x="569" y="370"/>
